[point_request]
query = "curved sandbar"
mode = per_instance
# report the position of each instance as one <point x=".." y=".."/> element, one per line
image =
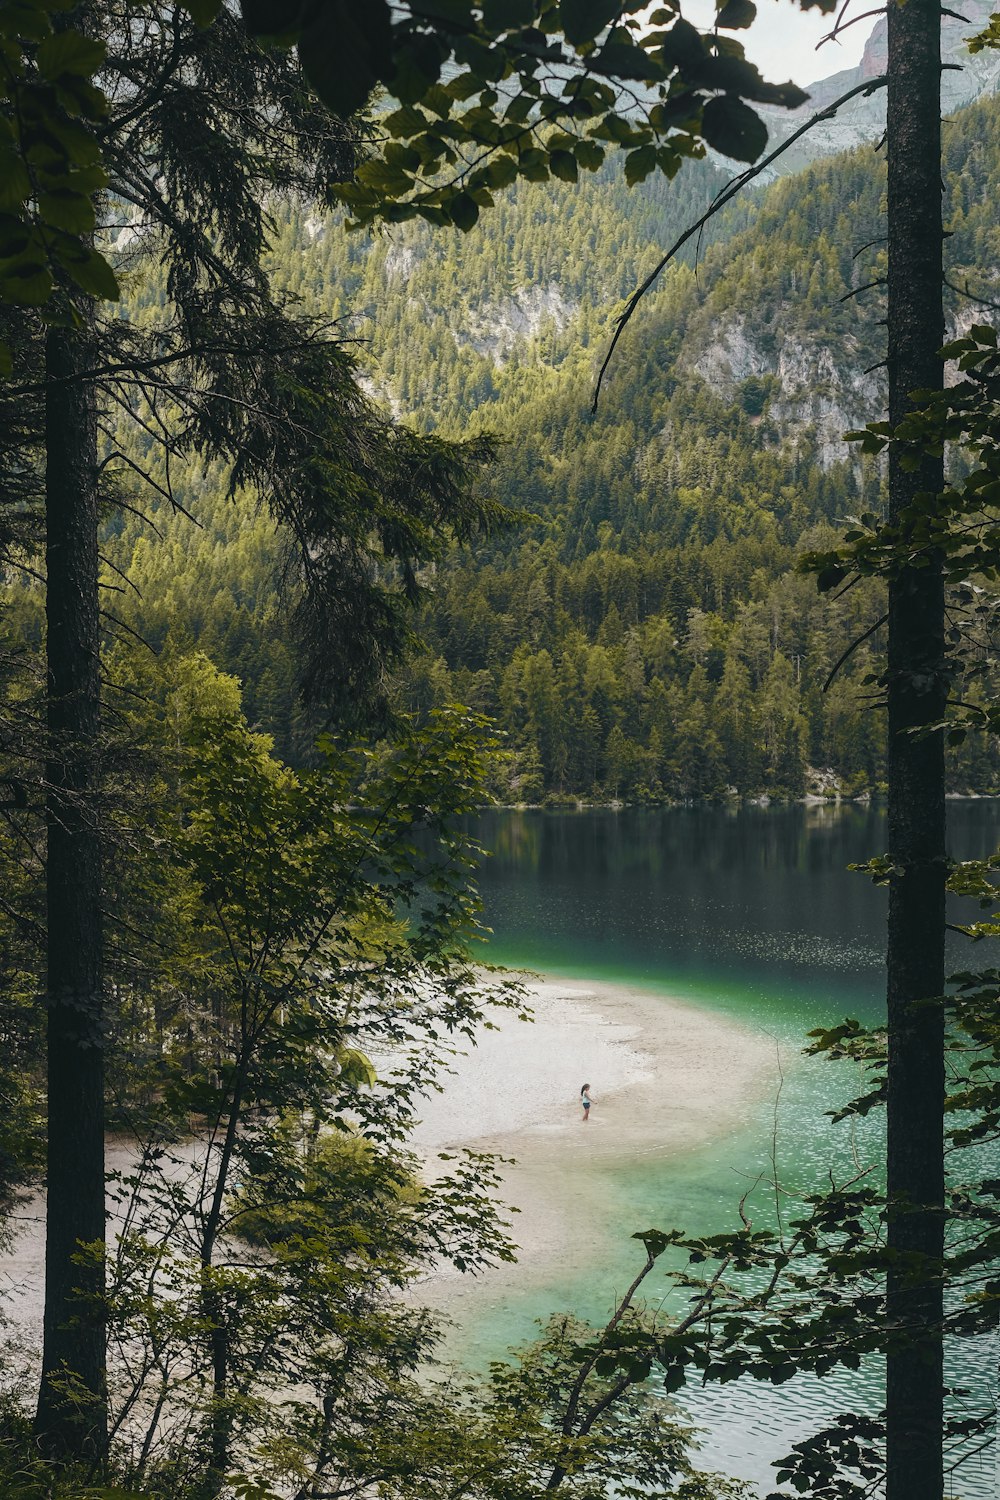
<point x="667" y="1078"/>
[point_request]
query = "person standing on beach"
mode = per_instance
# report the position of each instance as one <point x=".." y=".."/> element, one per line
<point x="586" y="1101"/>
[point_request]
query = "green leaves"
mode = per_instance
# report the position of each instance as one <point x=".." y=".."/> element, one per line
<point x="464" y="211"/>
<point x="567" y="71"/>
<point x="49" y="162"/>
<point x="68" y="55"/>
<point x="656" y="1240"/>
<point x="732" y="128"/>
<point x="244" y="1487"/>
<point x="508" y="13"/>
<point x="639" y="164"/>
<point x="345" y="51"/>
<point x="562" y="164"/>
<point x="88" y="269"/>
<point x="956" y="525"/>
<point x="736" y="15"/>
<point x="584" y="20"/>
<point x="356" y="1068"/>
<point x="204" y="12"/>
<point x="989" y="36"/>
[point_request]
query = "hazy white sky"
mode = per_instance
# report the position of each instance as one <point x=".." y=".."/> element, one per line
<point x="782" y="40"/>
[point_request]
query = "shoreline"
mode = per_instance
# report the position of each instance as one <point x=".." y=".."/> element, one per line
<point x="667" y="1078"/>
<point x="571" y="803"/>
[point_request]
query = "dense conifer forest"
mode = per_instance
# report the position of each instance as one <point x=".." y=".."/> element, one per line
<point x="640" y="628"/>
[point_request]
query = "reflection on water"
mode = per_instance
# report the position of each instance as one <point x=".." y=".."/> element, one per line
<point x="762" y="896"/>
<point x="748" y="910"/>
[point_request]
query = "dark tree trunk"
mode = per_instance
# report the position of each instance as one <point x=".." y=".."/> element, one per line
<point x="72" y="1413"/>
<point x="916" y="696"/>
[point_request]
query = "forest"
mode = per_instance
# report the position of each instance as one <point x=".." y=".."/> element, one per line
<point x="317" y="539"/>
<point x="647" y="601"/>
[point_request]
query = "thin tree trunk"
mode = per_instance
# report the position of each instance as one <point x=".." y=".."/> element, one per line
<point x="916" y="835"/>
<point x="72" y="1407"/>
<point x="221" y="1425"/>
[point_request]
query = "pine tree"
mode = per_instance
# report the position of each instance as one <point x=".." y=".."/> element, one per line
<point x="203" y="124"/>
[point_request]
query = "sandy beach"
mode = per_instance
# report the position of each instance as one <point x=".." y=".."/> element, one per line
<point x="666" y="1077"/>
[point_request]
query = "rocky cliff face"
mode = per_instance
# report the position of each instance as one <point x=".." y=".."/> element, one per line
<point x="813" y="387"/>
<point x="498" y="328"/>
<point x="966" y="78"/>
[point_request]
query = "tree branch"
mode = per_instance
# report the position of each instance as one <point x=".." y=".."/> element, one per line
<point x="859" y="641"/>
<point x="724" y="197"/>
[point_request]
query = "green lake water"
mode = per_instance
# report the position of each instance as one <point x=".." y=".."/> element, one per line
<point x="750" y="912"/>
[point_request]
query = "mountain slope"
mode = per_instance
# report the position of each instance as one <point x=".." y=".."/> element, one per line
<point x="966" y="79"/>
<point x="648" y="634"/>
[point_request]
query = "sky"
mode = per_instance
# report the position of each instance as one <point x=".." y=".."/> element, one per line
<point x="782" y="40"/>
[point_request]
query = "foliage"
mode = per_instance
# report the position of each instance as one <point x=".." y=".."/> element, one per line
<point x="652" y="556"/>
<point x="580" y="68"/>
<point x="958" y="526"/>
<point x="283" y="928"/>
<point x="291" y="944"/>
<point x="290" y="952"/>
<point x="656" y="596"/>
<point x="54" y="112"/>
<point x="489" y="94"/>
<point x="219" y="366"/>
<point x="553" y="1422"/>
<point x="811" y="1294"/>
<point x="431" y="1438"/>
<point x="50" y="159"/>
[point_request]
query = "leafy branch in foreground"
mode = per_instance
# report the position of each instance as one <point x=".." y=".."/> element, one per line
<point x="50" y="159"/>
<point x="306" y="940"/>
<point x="486" y="94"/>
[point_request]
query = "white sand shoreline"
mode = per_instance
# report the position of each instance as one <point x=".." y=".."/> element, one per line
<point x="667" y="1079"/>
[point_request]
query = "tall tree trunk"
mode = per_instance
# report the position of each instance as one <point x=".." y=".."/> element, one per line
<point x="71" y="1419"/>
<point x="916" y="837"/>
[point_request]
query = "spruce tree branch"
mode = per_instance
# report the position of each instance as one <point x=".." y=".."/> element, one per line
<point x="133" y="510"/>
<point x="842" y="25"/>
<point x="126" y="580"/>
<point x="145" y="101"/>
<point x="144" y="195"/>
<point x="963" y="291"/>
<point x="121" y="625"/>
<point x="147" y="478"/>
<point x="725" y="196"/>
<point x="857" y="290"/>
<point x="29" y="928"/>
<point x="858" y="641"/>
<point x="193" y="353"/>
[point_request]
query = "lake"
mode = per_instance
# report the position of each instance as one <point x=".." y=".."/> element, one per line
<point x="752" y="912"/>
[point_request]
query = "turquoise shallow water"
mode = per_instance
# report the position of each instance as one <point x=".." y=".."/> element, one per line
<point x="753" y="913"/>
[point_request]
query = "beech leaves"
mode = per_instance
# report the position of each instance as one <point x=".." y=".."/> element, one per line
<point x="468" y="98"/>
<point x="491" y="93"/>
